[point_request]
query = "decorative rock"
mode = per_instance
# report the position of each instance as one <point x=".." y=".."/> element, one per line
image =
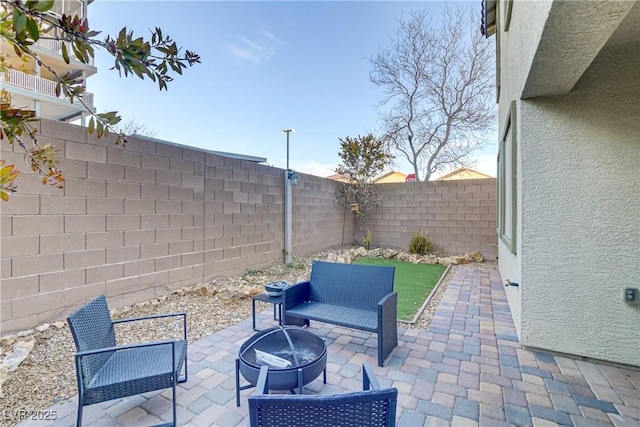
<point x="447" y="261"/>
<point x="8" y="340"/>
<point x="205" y="289"/>
<point x="20" y="352"/>
<point x="476" y="256"/>
<point x="430" y="259"/>
<point x="26" y="333"/>
<point x="250" y="291"/>
<point x="361" y="251"/>
<point x="42" y="327"/>
<point x="375" y="253"/>
<point x="390" y="253"/>
<point x="4" y="373"/>
<point x="58" y="325"/>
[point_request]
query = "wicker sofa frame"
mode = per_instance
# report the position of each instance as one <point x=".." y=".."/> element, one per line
<point x="350" y="295"/>
<point x="106" y="371"/>
<point x="374" y="406"/>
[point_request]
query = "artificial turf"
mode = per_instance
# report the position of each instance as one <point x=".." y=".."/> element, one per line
<point x="412" y="282"/>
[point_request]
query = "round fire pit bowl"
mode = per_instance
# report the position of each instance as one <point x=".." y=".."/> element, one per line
<point x="291" y="353"/>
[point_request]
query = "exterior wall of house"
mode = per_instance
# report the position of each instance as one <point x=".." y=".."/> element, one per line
<point x="581" y="212"/>
<point x="578" y="157"/>
<point x="459" y="216"/>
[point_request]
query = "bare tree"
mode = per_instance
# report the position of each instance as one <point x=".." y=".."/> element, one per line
<point x="438" y="83"/>
<point x="133" y="127"/>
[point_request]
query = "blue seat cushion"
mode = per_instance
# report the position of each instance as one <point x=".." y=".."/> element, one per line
<point x="135" y="371"/>
<point x="342" y="316"/>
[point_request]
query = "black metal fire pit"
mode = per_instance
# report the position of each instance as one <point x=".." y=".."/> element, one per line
<point x="295" y="357"/>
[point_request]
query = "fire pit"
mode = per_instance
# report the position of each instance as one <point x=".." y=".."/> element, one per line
<point x="295" y="357"/>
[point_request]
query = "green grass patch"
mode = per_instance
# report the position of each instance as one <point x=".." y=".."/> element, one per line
<point x="412" y="282"/>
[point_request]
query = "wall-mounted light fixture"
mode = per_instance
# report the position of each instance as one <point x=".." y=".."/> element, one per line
<point x="294" y="180"/>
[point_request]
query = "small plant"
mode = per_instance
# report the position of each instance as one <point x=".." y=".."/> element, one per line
<point x="420" y="243"/>
<point x="367" y="240"/>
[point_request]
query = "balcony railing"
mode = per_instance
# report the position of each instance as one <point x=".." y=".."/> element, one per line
<point x="56" y="46"/>
<point x="68" y="7"/>
<point x="38" y="84"/>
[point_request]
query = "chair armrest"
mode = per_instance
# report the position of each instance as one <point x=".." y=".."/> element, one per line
<point x="296" y="294"/>
<point x="262" y="385"/>
<point x="369" y="379"/>
<point x="81" y="354"/>
<point x="157" y="316"/>
<point x="386" y="300"/>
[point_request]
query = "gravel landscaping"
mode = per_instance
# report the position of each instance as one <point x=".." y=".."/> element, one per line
<point x="47" y="375"/>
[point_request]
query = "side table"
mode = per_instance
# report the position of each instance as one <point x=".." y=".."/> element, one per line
<point x="277" y="303"/>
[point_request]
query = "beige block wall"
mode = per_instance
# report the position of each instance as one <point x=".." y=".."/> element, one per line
<point x="136" y="222"/>
<point x="459" y="216"/>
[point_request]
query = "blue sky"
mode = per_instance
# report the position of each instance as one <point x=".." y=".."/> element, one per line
<point x="266" y="66"/>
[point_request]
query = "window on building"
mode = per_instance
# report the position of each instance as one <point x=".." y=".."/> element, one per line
<point x="507" y="182"/>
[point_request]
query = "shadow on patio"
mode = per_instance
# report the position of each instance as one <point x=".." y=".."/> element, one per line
<point x="467" y="369"/>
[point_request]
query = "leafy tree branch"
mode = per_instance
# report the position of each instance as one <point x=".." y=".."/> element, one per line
<point x="23" y="24"/>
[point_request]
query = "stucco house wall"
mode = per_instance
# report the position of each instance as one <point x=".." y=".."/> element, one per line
<point x="578" y="160"/>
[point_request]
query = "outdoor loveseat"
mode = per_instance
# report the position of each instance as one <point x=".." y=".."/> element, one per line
<point x="350" y="295"/>
<point x="106" y="371"/>
<point x="374" y="406"/>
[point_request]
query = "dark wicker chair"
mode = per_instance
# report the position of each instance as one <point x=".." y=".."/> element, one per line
<point x="374" y="406"/>
<point x="349" y="295"/>
<point x="106" y="371"/>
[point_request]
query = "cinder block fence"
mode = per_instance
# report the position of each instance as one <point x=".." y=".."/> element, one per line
<point x="138" y="221"/>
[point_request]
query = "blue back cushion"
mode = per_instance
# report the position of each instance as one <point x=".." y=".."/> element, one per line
<point x="350" y="285"/>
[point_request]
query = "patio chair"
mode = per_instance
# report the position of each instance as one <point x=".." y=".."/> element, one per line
<point x="374" y="406"/>
<point x="106" y="371"/>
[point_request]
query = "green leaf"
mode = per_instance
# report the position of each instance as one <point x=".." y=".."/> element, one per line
<point x="65" y="54"/>
<point x="19" y="21"/>
<point x="33" y="29"/>
<point x="92" y="125"/>
<point x="43" y="5"/>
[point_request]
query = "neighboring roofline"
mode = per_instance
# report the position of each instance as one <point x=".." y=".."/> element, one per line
<point x="462" y="169"/>
<point x="218" y="153"/>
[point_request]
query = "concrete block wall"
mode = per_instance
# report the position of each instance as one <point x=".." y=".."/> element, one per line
<point x="138" y="221"/>
<point x="318" y="220"/>
<point x="459" y="215"/>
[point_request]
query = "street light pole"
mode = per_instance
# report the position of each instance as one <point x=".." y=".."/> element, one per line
<point x="288" y="207"/>
<point x="287" y="131"/>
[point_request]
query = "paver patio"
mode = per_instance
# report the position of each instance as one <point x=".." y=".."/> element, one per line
<point x="466" y="369"/>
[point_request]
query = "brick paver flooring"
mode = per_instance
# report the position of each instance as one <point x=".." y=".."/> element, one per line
<point x="467" y="369"/>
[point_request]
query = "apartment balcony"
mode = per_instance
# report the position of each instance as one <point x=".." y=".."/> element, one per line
<point x="55" y="46"/>
<point x="25" y="89"/>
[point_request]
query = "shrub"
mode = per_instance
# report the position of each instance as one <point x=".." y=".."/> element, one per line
<point x="367" y="241"/>
<point x="420" y="243"/>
